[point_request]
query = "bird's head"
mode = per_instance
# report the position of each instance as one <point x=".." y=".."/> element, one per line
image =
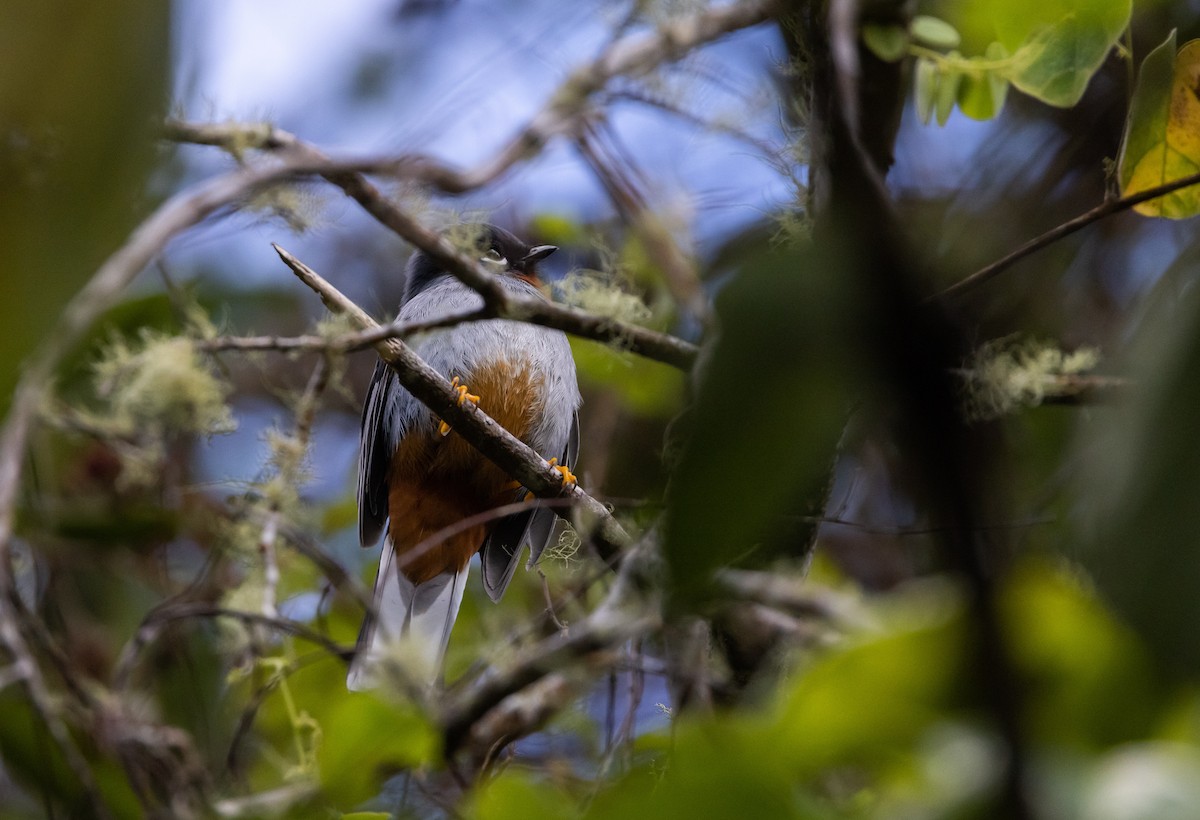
<point x="498" y="249"/>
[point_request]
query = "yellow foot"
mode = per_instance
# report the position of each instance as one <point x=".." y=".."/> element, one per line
<point x="568" y="477"/>
<point x="463" y="396"/>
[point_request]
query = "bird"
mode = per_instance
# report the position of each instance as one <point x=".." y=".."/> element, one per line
<point x="417" y="477"/>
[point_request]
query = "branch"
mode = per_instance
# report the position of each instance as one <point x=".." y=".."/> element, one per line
<point x="517" y="716"/>
<point x="433" y="390"/>
<point x="505" y="305"/>
<point x="337" y="344"/>
<point x="1104" y="209"/>
<point x="628" y="57"/>
<point x="914" y="346"/>
<point x="180" y="212"/>
<point x="157" y="620"/>
<point x="609" y="625"/>
<point x="788" y="594"/>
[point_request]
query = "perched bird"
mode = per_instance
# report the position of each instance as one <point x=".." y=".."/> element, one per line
<point x="417" y="477"/>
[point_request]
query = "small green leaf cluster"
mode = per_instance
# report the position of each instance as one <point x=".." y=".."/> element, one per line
<point x="1048" y="50"/>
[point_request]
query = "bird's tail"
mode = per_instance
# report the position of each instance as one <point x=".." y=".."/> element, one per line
<point x="412" y="621"/>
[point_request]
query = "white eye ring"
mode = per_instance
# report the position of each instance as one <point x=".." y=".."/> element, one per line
<point x="493" y="256"/>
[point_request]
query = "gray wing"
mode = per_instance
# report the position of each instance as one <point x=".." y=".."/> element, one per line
<point x="501" y="552"/>
<point x="384" y="413"/>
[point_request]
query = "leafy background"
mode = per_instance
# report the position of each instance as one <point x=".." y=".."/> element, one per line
<point x="866" y="693"/>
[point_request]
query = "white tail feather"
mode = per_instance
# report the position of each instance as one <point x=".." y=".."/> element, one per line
<point x="414" y="621"/>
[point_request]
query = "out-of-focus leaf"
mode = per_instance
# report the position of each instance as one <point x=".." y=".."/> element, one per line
<point x="365" y="741"/>
<point x="81" y="88"/>
<point x="1057" y="45"/>
<point x="981" y="96"/>
<point x="1162" y="135"/>
<point x="873" y="697"/>
<point x="727" y="766"/>
<point x="888" y="43"/>
<point x="935" y="32"/>
<point x="770" y="409"/>
<point x="339" y="514"/>
<point x="1087" y="674"/>
<point x="512" y="795"/>
<point x="925" y="87"/>
<point x="1147" y="781"/>
<point x="947" y="94"/>
<point x="863" y="706"/>
<point x="647" y="387"/>
<point x="558" y="228"/>
<point x="31" y="758"/>
<point x="1139" y="484"/>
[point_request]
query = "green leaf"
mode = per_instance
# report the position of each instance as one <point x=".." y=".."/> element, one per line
<point x="365" y="741"/>
<point x="1057" y="45"/>
<point x="1056" y="64"/>
<point x="728" y="766"/>
<point x="1162" y="135"/>
<point x="925" y="88"/>
<point x="874" y="696"/>
<point x="1137" y="488"/>
<point x="947" y="94"/>
<point x="888" y="43"/>
<point x="934" y="32"/>
<point x="981" y="94"/>
<point x="647" y="387"/>
<point x="513" y="795"/>
<point x="1092" y="685"/>
<point x="1016" y="22"/>
<point x="770" y="411"/>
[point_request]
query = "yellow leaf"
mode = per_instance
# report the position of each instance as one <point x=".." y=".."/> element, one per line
<point x="1162" y="138"/>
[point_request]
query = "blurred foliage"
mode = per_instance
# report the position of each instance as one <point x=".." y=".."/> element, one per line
<point x="1048" y="50"/>
<point x="857" y="691"/>
<point x="82" y="88"/>
<point x="767" y="418"/>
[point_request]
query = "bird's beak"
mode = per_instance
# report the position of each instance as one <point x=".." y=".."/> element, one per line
<point x="538" y="253"/>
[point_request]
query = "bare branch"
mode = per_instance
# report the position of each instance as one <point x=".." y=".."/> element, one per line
<point x="500" y="302"/>
<point x="154" y="623"/>
<point x="24" y="669"/>
<point x="677" y="270"/>
<point x="520" y="714"/>
<point x="1104" y="209"/>
<point x="621" y="616"/>
<point x="629" y="57"/>
<point x="180" y="212"/>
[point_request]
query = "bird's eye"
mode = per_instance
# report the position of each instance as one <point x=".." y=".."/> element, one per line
<point x="494" y="257"/>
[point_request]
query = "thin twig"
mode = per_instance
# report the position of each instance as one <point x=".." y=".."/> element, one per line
<point x="345" y="343"/>
<point x="629" y="57"/>
<point x="154" y="623"/>
<point x="619" y="617"/>
<point x="1104" y="209"/>
<point x="462" y="525"/>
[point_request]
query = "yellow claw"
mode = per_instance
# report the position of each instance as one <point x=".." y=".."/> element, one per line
<point x="568" y="477"/>
<point x="463" y="396"/>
